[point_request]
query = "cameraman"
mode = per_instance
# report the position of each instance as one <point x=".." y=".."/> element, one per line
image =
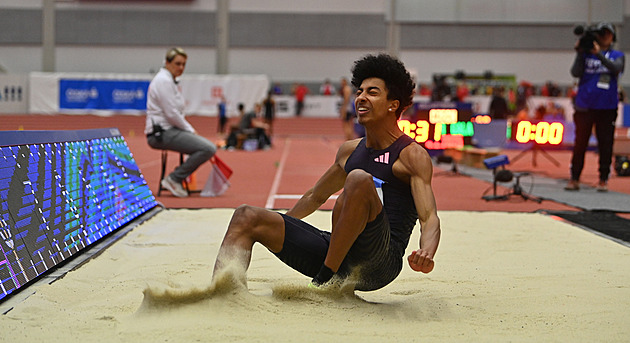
<point x="596" y="102"/>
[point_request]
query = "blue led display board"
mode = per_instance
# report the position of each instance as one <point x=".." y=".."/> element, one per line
<point x="60" y="192"/>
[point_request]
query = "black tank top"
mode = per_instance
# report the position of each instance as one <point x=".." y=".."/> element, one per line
<point x="397" y="199"/>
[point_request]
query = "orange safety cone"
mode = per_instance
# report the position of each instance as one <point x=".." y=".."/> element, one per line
<point x="191" y="180"/>
<point x="217" y="182"/>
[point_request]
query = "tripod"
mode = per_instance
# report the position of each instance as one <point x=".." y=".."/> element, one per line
<point x="506" y="176"/>
<point x="518" y="190"/>
<point x="534" y="150"/>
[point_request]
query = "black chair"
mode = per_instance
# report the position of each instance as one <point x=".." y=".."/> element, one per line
<point x="163" y="171"/>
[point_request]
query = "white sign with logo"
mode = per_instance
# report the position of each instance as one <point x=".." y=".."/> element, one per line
<point x="319" y="106"/>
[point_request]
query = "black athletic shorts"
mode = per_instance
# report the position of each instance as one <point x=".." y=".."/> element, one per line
<point x="373" y="256"/>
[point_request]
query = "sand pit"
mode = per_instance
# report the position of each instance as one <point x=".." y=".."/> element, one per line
<point x="498" y="277"/>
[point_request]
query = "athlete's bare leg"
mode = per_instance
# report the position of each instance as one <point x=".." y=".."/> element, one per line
<point x="249" y="225"/>
<point x="355" y="207"/>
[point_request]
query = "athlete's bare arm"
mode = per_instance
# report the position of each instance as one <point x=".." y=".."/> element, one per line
<point x="416" y="164"/>
<point x="329" y="183"/>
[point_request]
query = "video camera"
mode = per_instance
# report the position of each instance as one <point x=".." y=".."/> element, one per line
<point x="588" y="35"/>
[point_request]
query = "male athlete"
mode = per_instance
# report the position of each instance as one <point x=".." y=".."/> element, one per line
<point x="369" y="233"/>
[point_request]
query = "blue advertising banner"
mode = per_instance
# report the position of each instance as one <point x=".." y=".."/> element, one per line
<point x="103" y="94"/>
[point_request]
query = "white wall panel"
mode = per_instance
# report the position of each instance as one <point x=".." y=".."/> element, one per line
<point x="261" y="6"/>
<point x="309" y="65"/>
<point x="509" y="11"/>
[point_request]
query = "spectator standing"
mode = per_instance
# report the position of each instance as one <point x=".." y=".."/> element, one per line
<point x="327" y="88"/>
<point x="222" y="115"/>
<point x="270" y="108"/>
<point x="346" y="109"/>
<point x="424" y="90"/>
<point x="461" y="93"/>
<point x="300" y="92"/>
<point x="277" y="89"/>
<point x="498" y="105"/>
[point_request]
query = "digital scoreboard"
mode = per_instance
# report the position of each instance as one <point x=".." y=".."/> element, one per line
<point x="539" y="132"/>
<point x="444" y="125"/>
<point x="439" y="125"/>
<point x="60" y="192"/>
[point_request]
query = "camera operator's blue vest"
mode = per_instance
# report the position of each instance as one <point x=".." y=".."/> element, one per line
<point x="595" y="92"/>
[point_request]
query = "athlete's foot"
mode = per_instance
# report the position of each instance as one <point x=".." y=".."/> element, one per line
<point x="313" y="285"/>
<point x="602" y="186"/>
<point x="320" y="287"/>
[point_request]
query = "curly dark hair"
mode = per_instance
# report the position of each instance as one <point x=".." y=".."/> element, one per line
<point x="399" y="84"/>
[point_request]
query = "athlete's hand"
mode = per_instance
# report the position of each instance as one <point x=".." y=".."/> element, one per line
<point x="420" y="261"/>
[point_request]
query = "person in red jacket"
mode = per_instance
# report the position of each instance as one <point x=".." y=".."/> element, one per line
<point x="300" y="92"/>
